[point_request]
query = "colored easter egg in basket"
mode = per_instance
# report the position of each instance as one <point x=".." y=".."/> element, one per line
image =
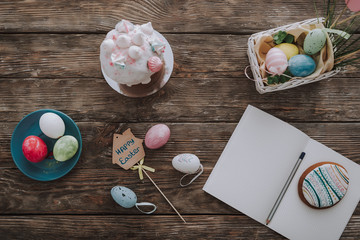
<point x="124" y="196"/>
<point x="301" y="65"/>
<point x="52" y="125"/>
<point x="289" y="49"/>
<point x="34" y="149"/>
<point x="186" y="163"/>
<point x="65" y="148"/>
<point x="314" y="41"/>
<point x="157" y="136"/>
<point x="276" y="61"/>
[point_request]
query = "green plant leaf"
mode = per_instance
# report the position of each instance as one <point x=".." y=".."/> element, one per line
<point x="279" y="37"/>
<point x="270" y="80"/>
<point x="289" y="38"/>
<point x="276" y="79"/>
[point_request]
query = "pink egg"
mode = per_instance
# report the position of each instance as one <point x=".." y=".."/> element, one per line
<point x="157" y="136"/>
<point x="276" y="61"/>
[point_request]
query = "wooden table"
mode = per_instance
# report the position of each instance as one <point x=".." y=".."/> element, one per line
<point x="49" y="56"/>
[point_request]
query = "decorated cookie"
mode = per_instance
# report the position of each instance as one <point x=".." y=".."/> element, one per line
<point x="323" y="185"/>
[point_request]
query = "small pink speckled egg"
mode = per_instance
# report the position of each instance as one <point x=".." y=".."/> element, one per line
<point x="276" y="61"/>
<point x="157" y="136"/>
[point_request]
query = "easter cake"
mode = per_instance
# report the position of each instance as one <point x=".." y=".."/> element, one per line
<point x="323" y="185"/>
<point x="133" y="57"/>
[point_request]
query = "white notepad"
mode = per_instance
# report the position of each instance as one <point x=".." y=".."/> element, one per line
<point x="255" y="165"/>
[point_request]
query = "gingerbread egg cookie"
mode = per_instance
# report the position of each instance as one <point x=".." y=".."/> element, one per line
<point x="323" y="185"/>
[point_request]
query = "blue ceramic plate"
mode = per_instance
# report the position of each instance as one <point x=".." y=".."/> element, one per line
<point x="48" y="169"/>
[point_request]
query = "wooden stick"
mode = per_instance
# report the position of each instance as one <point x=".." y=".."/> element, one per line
<point x="164" y="196"/>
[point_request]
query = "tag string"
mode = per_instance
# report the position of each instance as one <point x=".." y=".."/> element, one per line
<point x="138" y="205"/>
<point x="140" y="167"/>
<point x="199" y="172"/>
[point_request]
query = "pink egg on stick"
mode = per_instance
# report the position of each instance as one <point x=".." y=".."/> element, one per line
<point x="276" y="61"/>
<point x="157" y="136"/>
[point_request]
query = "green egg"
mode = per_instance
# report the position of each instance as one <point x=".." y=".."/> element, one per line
<point x="314" y="41"/>
<point x="65" y="148"/>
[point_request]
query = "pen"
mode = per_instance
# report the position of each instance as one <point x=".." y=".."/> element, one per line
<point x="282" y="193"/>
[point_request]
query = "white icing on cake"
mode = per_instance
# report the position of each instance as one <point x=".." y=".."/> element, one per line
<point x="125" y="52"/>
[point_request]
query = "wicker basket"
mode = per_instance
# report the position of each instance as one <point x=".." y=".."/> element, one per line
<point x="293" y="82"/>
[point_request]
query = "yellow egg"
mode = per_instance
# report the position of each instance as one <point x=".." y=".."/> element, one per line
<point x="289" y="49"/>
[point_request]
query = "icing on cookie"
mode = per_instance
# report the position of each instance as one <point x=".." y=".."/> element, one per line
<point x="325" y="185"/>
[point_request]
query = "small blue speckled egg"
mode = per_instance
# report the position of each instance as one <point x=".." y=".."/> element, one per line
<point x="124" y="196"/>
<point x="314" y="41"/>
<point x="301" y="65"/>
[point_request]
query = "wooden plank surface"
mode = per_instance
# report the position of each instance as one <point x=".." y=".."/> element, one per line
<point x="49" y="58"/>
<point x="83" y="99"/>
<point x="166" y="15"/>
<point x="143" y="227"/>
<point x="136" y="227"/>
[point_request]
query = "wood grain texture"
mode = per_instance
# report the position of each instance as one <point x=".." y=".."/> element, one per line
<point x="229" y="16"/>
<point x="199" y="99"/>
<point x="134" y="227"/>
<point x="143" y="227"/>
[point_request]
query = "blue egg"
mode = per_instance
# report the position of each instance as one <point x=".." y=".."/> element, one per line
<point x="124" y="196"/>
<point x="301" y="65"/>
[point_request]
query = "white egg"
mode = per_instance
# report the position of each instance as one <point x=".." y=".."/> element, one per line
<point x="186" y="163"/>
<point x="52" y="125"/>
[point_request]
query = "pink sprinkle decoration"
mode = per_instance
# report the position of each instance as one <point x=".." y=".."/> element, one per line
<point x="155" y="64"/>
<point x="130" y="60"/>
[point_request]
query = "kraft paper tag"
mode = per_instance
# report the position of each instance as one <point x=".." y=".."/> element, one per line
<point x="127" y="149"/>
